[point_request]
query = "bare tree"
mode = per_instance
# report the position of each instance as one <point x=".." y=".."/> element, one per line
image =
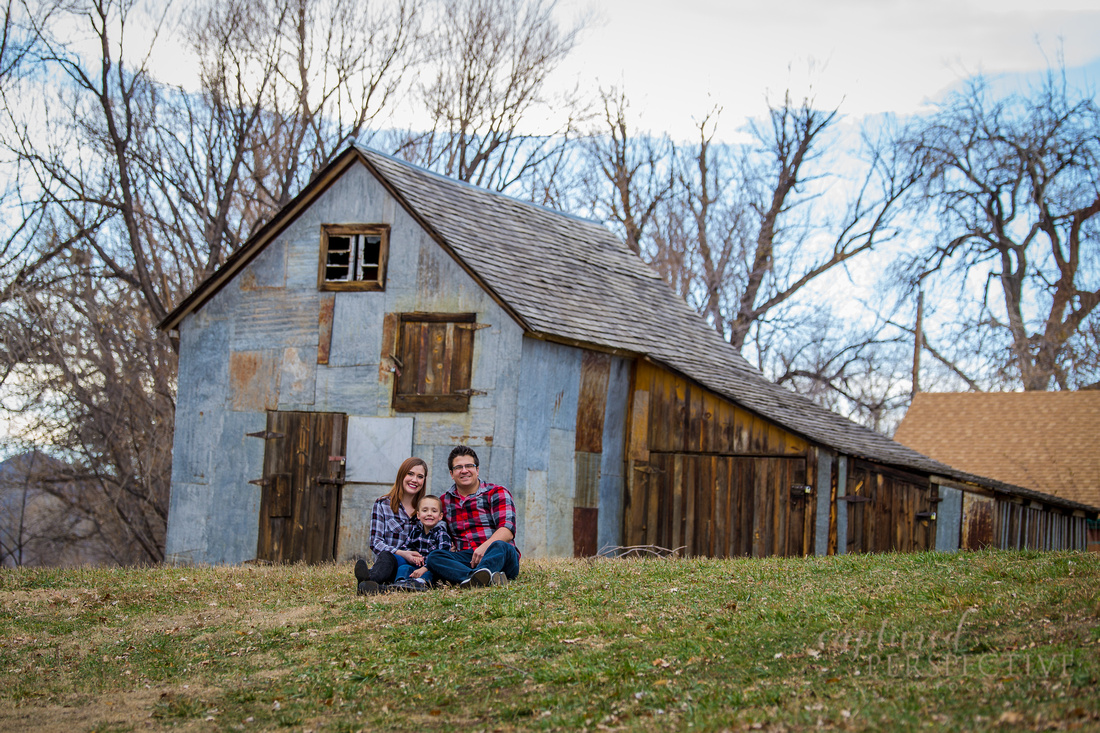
<point x="745" y="233"/>
<point x="628" y="176"/>
<point x="795" y="242"/>
<point x="131" y="192"/>
<point x="1012" y="186"/>
<point x="38" y="523"/>
<point x="484" y="93"/>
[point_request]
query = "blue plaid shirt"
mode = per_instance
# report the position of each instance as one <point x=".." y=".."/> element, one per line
<point x="436" y="538"/>
<point x="389" y="531"/>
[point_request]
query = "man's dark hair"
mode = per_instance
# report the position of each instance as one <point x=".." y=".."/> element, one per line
<point x="460" y="450"/>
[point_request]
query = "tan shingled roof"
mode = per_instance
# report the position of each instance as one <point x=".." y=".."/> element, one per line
<point x="1045" y="441"/>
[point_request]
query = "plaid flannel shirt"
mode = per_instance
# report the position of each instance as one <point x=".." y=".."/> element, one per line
<point x="388" y="530"/>
<point x="436" y="538"/>
<point x="474" y="518"/>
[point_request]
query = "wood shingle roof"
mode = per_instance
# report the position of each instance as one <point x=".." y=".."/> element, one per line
<point x="570" y="279"/>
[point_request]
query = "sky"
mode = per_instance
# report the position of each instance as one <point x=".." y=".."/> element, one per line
<point x="678" y="60"/>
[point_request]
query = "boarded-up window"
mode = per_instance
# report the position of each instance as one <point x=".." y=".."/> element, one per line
<point x="434" y="355"/>
<point x="353" y="256"/>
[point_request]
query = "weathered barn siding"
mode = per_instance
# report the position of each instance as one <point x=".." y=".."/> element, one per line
<point x="609" y="522"/>
<point x="255" y="347"/>
<point x="568" y="451"/>
<point x="889" y="510"/>
<point x="824" y="518"/>
<point x="546" y="419"/>
<point x="949" y="519"/>
<point x="1026" y="526"/>
<point x="708" y="476"/>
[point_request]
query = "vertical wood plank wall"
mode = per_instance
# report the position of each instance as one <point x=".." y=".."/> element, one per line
<point x="890" y="521"/>
<point x="713" y="479"/>
<point x="708" y="476"/>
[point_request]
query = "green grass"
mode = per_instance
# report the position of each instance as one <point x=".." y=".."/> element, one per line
<point x="986" y="640"/>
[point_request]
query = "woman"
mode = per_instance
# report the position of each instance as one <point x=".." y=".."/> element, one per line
<point x="390" y="521"/>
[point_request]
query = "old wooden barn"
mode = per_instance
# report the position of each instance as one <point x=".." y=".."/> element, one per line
<point x="388" y="311"/>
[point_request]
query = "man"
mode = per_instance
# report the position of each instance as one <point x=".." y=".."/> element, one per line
<point x="482" y="520"/>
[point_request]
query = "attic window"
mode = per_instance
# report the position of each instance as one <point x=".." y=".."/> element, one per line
<point x="353" y="256"/>
<point x="434" y="355"/>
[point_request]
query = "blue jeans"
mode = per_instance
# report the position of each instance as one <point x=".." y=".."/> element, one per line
<point x="454" y="565"/>
<point x="405" y="568"/>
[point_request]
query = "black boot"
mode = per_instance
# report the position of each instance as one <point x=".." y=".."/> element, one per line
<point x="368" y="588"/>
<point x="362" y="571"/>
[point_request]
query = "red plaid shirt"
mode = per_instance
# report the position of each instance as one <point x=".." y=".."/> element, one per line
<point x="473" y="519"/>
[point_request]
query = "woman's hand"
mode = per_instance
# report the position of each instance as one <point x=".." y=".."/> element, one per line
<point x="414" y="558"/>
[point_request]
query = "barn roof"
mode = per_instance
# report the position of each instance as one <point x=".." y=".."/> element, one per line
<point x="570" y="279"/>
<point x="1045" y="441"/>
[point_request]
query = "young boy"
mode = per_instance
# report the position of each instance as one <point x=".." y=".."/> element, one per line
<point x="429" y="533"/>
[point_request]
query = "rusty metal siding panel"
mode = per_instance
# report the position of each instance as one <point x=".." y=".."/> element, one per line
<point x="545" y="438"/>
<point x="560" y="487"/>
<point x="217" y="522"/>
<point x="533" y="520"/>
<point x="188" y="508"/>
<point x="948" y="519"/>
<point x="202" y="384"/>
<point x="267" y="271"/>
<point x="352" y="389"/>
<point x="841" y="506"/>
<point x="324" y="328"/>
<point x="284" y="317"/>
<point x="234" y="520"/>
<point x="356" y="504"/>
<point x="612" y="459"/>
<point x="977" y="522"/>
<point x="376" y="447"/>
<point x="357" y="329"/>
<point x="253" y="381"/>
<point x="824" y="499"/>
<point x="548" y="393"/>
<point x="297" y="377"/>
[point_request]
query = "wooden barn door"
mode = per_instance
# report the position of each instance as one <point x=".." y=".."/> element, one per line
<point x="722" y="506"/>
<point x="303" y="477"/>
<point x="889" y="511"/>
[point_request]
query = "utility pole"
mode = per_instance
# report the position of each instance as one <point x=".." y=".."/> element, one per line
<point x="918" y="340"/>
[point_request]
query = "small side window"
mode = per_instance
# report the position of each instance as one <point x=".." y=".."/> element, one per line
<point x="435" y="356"/>
<point x="353" y="256"/>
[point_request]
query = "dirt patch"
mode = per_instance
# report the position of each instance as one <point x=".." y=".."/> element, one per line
<point x="76" y="598"/>
<point x="134" y="708"/>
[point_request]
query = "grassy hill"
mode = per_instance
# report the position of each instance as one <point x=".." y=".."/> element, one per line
<point x="985" y="640"/>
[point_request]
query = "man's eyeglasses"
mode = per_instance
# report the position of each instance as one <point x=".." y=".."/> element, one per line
<point x="464" y="467"/>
